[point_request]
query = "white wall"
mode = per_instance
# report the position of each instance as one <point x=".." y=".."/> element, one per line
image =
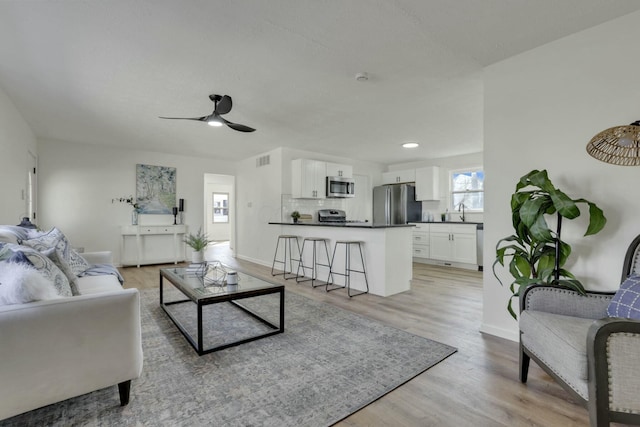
<point x="446" y="165"/>
<point x="78" y="181"/>
<point x="16" y="141"/>
<point x="541" y="109"/>
<point x="258" y="193"/>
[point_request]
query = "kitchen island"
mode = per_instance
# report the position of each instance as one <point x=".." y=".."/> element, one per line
<point x="387" y="253"/>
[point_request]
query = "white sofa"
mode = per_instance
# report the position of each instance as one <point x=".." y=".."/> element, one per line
<point x="60" y="348"/>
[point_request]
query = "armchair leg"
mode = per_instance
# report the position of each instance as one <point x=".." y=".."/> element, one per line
<point x="124" y="388"/>
<point x="524" y="365"/>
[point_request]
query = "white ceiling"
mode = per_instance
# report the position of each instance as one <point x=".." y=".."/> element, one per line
<point x="101" y="72"/>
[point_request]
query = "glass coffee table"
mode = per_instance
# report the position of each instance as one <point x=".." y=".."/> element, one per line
<point x="200" y="294"/>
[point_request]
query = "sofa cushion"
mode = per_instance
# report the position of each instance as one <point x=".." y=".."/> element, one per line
<point x="626" y="301"/>
<point x="97" y="284"/>
<point x="560" y="342"/>
<point x="21" y="283"/>
<point x="55" y="238"/>
<point x="26" y="255"/>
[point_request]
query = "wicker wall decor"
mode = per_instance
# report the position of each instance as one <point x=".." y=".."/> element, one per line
<point x="619" y="145"/>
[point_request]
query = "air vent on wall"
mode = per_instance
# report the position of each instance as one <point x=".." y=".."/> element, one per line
<point x="263" y="161"/>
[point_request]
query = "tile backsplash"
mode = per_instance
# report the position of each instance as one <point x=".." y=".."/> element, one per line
<point x="308" y="206"/>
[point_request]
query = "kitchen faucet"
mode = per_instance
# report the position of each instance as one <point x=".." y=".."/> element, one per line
<point x="461" y="206"/>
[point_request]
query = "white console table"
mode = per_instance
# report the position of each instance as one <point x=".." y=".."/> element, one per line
<point x="152" y="244"/>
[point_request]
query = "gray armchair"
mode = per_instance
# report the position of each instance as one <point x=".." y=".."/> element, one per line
<point x="594" y="357"/>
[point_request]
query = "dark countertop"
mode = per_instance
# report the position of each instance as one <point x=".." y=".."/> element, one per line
<point x="479" y="225"/>
<point x="343" y="225"/>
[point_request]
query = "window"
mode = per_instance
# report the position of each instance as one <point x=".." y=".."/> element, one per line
<point x="220" y="208"/>
<point x="467" y="187"/>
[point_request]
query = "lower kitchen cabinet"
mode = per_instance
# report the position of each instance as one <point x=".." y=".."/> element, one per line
<point x="453" y="242"/>
<point x="420" y="240"/>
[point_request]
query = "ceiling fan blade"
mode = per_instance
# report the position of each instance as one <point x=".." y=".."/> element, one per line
<point x="239" y="127"/>
<point x="224" y="106"/>
<point x="201" y="119"/>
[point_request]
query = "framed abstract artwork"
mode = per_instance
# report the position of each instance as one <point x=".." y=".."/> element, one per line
<point x="155" y="189"/>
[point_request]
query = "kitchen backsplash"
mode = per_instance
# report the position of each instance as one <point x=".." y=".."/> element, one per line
<point x="308" y="206"/>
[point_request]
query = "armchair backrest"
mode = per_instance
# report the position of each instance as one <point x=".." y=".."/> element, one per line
<point x="631" y="260"/>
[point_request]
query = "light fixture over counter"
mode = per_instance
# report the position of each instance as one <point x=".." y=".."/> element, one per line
<point x="619" y="145"/>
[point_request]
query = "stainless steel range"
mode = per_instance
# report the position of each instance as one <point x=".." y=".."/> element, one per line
<point x="336" y="216"/>
<point x="332" y="215"/>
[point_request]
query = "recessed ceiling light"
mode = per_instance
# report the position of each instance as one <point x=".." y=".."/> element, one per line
<point x="410" y="145"/>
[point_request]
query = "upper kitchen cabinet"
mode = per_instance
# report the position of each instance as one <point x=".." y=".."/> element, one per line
<point x="336" y="169"/>
<point x="428" y="183"/>
<point x="308" y="179"/>
<point x="397" y="177"/>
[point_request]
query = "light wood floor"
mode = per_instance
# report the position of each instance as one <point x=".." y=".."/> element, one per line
<point x="477" y="386"/>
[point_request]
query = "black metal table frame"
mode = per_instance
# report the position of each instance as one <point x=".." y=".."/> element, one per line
<point x="231" y="298"/>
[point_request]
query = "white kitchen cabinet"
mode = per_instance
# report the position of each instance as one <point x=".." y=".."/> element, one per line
<point x="337" y="169"/>
<point x="453" y="242"/>
<point x="428" y="183"/>
<point x="397" y="177"/>
<point x="308" y="179"/>
<point x="420" y="240"/>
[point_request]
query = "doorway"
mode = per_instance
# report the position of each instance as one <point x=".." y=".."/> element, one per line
<point x="220" y="216"/>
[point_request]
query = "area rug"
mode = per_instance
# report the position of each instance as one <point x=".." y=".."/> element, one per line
<point x="328" y="364"/>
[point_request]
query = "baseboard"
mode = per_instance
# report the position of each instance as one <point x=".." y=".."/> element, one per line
<point x="462" y="265"/>
<point x="253" y="260"/>
<point x="507" y="334"/>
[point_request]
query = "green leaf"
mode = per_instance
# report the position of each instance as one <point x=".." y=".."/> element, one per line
<point x="547" y="262"/>
<point x="510" y="309"/>
<point x="565" y="251"/>
<point x="525" y="181"/>
<point x="542" y="181"/>
<point x="564" y="205"/>
<point x="540" y="230"/>
<point x="533" y="208"/>
<point x="573" y="284"/>
<point x="523" y="265"/>
<point x="517" y="199"/>
<point x="597" y="219"/>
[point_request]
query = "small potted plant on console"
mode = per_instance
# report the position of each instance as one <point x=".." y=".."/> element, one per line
<point x="198" y="242"/>
<point x="295" y="215"/>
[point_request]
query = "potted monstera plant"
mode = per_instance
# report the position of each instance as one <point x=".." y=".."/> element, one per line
<point x="536" y="253"/>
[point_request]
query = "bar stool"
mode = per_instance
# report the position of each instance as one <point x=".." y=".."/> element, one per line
<point x="314" y="260"/>
<point x="347" y="267"/>
<point x="287" y="240"/>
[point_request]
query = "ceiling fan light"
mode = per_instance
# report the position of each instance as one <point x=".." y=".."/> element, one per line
<point x="410" y="145"/>
<point x="214" y="121"/>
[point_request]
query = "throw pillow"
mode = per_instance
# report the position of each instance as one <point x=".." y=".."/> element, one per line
<point x="12" y="233"/>
<point x="20" y="283"/>
<point x="626" y="301"/>
<point x="58" y="259"/>
<point x="46" y="267"/>
<point x="55" y="238"/>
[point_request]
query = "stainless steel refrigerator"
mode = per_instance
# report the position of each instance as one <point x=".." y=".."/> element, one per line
<point x="395" y="204"/>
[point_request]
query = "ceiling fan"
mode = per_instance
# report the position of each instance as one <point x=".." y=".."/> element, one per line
<point x="222" y="106"/>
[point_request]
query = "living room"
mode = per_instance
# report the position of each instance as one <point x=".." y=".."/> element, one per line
<point x="540" y="107"/>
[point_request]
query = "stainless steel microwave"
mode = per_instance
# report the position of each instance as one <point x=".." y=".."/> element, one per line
<point x="339" y="186"/>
